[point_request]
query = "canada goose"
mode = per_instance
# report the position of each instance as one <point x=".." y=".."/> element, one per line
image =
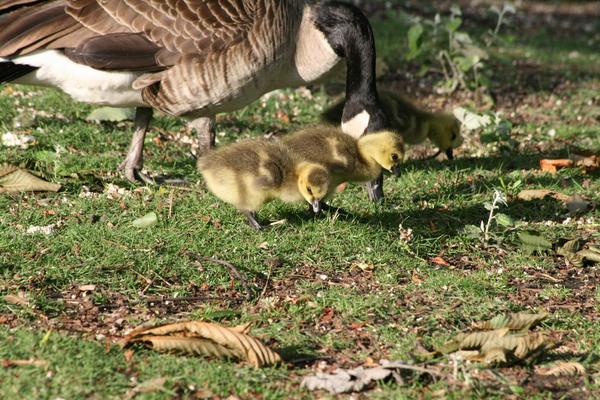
<point x="347" y="158"/>
<point x="415" y="124"/>
<point x="192" y="58"/>
<point x="250" y="173"/>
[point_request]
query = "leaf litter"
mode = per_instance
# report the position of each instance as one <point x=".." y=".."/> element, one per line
<point x="15" y="179"/>
<point x="206" y="339"/>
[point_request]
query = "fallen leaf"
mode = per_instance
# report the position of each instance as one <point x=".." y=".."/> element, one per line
<point x="111" y="114"/>
<point x="21" y="363"/>
<point x="553" y="166"/>
<point x="153" y="385"/>
<point x="202" y="338"/>
<point x="345" y="381"/>
<point x="16" y="300"/>
<point x="515" y="322"/>
<point x="440" y="261"/>
<point x="14" y="179"/>
<point x="564" y="368"/>
<point x="146" y="221"/>
<point x="10" y="139"/>
<point x="87" y="288"/>
<point x="327" y="316"/>
<point x="44" y="230"/>
<point x="128" y="355"/>
<point x="588" y="163"/>
<point x="263" y="246"/>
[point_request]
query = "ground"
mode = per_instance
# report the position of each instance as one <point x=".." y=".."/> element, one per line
<point x="342" y="290"/>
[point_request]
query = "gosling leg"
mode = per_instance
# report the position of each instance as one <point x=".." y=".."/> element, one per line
<point x="205" y="131"/>
<point x="251" y="216"/>
<point x="134" y="162"/>
<point x="375" y="189"/>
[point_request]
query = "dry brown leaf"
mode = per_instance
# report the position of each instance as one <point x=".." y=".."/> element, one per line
<point x="440" y="261"/>
<point x="495" y="355"/>
<point x="22" y="363"/>
<point x="534" y="194"/>
<point x="13" y="179"/>
<point x="205" y="338"/>
<point x="588" y="163"/>
<point x="554" y="165"/>
<point x="153" y="385"/>
<point x="467" y="341"/>
<point x="564" y="368"/>
<point x="515" y="322"/>
<point x="521" y="345"/>
<point x="16" y="300"/>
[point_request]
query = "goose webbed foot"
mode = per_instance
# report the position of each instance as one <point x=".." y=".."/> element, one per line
<point x="251" y="216"/>
<point x="375" y="189"/>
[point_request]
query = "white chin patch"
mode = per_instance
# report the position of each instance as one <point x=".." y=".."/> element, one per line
<point x="357" y="125"/>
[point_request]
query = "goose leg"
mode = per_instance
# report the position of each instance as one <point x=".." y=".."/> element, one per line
<point x="251" y="215"/>
<point x="375" y="189"/>
<point x="134" y="162"/>
<point x="205" y="130"/>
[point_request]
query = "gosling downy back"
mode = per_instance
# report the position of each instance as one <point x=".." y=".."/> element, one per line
<point x="346" y="158"/>
<point x="414" y="124"/>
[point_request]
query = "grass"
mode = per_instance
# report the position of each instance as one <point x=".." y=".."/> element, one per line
<point x="343" y="287"/>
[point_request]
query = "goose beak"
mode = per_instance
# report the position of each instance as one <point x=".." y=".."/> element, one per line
<point x="450" y="153"/>
<point x="316" y="206"/>
<point x="396" y="170"/>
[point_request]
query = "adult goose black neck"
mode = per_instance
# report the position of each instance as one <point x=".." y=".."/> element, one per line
<point x="350" y="35"/>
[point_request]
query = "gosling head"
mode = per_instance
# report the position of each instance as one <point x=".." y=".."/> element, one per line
<point x="385" y="147"/>
<point x="313" y="184"/>
<point x="444" y="132"/>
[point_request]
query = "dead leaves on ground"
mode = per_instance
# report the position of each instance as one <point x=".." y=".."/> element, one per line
<point x="586" y="162"/>
<point x="575" y="204"/>
<point x="505" y="339"/>
<point x="14" y="179"/>
<point x="203" y="338"/>
<point x="358" y="379"/>
<point x="578" y="252"/>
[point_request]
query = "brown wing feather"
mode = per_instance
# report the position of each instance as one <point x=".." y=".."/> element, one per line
<point x="186" y="26"/>
<point x="28" y="29"/>
<point x="8" y="5"/>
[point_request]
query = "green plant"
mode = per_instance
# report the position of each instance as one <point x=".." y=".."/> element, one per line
<point x="440" y="42"/>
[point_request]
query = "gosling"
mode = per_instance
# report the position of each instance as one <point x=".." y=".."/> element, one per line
<point x="414" y="124"/>
<point x="344" y="157"/>
<point x="251" y="173"/>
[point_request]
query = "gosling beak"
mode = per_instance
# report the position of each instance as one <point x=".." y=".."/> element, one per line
<point x="450" y="153"/>
<point x="396" y="170"/>
<point x="316" y="206"/>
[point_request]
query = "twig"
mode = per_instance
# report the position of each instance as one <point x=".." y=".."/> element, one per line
<point x="412" y="368"/>
<point x="262" y="293"/>
<point x="171" y="203"/>
<point x="232" y="269"/>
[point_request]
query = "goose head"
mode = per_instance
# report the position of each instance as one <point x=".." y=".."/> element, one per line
<point x="313" y="184"/>
<point x="444" y="132"/>
<point x="386" y="148"/>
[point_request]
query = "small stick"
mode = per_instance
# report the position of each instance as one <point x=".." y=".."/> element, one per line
<point x="266" y="282"/>
<point x="232" y="269"/>
<point x="171" y="203"/>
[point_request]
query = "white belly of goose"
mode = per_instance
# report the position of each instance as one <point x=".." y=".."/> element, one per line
<point x="81" y="82"/>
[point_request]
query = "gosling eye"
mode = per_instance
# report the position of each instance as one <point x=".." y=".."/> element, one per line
<point x="309" y="190"/>
<point x="395" y="157"/>
<point x="453" y="136"/>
